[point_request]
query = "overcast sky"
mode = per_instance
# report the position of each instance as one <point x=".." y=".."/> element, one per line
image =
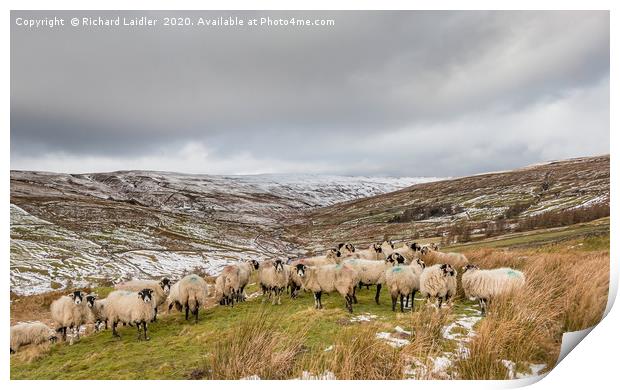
<point x="379" y="93"/>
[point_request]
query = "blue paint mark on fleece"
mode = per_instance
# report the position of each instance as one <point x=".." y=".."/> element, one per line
<point x="397" y="269"/>
<point x="512" y="274"/>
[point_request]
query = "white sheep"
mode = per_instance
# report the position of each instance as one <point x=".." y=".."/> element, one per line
<point x="374" y="252"/>
<point x="432" y="257"/>
<point x="487" y="284"/>
<point x="26" y="333"/>
<point x="245" y="271"/>
<point x="346" y="249"/>
<point x="193" y="292"/>
<point x="230" y="284"/>
<point x="370" y="272"/>
<point x="387" y="246"/>
<point x="333" y="256"/>
<point x="294" y="281"/>
<point x="97" y="310"/>
<point x="174" y="297"/>
<point x="69" y="311"/>
<point x="130" y="307"/>
<point x="438" y="281"/>
<point x="409" y="251"/>
<point x="160" y="288"/>
<point x="329" y="278"/>
<point x="273" y="277"/>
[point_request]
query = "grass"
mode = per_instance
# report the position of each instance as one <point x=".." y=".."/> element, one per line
<point x="567" y="284"/>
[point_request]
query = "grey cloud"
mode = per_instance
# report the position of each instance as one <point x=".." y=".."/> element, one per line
<point x="327" y="96"/>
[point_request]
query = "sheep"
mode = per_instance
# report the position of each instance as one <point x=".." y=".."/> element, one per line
<point x="161" y="289"/>
<point x="374" y="252"/>
<point x="230" y="284"/>
<point x="405" y="283"/>
<point x="409" y="251"/>
<point x="329" y="278"/>
<point x="387" y="246"/>
<point x="438" y="281"/>
<point x="245" y="271"/>
<point x="130" y="307"/>
<point x="273" y="277"/>
<point x="370" y="272"/>
<point x="26" y="333"/>
<point x="432" y="257"/>
<point x="192" y="293"/>
<point x="346" y="249"/>
<point x="294" y="281"/>
<point x="489" y="283"/>
<point x="333" y="256"/>
<point x="174" y="297"/>
<point x="97" y="309"/>
<point x="69" y="311"/>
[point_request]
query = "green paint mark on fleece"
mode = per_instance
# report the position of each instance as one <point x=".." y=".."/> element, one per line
<point x="512" y="274"/>
<point x="397" y="269"/>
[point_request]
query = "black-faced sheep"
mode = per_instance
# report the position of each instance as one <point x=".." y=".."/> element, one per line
<point x="130" y="307"/>
<point x="69" y="311"/>
<point x="403" y="281"/>
<point x="273" y="278"/>
<point x="432" y="257"/>
<point x="193" y="292"/>
<point x="160" y="288"/>
<point x="438" y="281"/>
<point x="30" y="333"/>
<point x="329" y="278"/>
<point x="487" y="284"/>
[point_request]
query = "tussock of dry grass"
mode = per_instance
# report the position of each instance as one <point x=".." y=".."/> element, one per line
<point x="564" y="292"/>
<point x="358" y="354"/>
<point x="254" y="347"/>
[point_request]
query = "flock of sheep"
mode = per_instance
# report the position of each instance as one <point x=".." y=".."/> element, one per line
<point x="405" y="271"/>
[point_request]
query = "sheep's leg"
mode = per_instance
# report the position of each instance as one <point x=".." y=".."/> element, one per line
<point x="413" y="300"/>
<point x="196" y="312"/>
<point x="139" y="331"/>
<point x="186" y="312"/>
<point x="377" y="294"/>
<point x="401" y="303"/>
<point x="483" y="306"/>
<point x="146" y="330"/>
<point x="106" y="324"/>
<point x="439" y="300"/>
<point x="317" y="298"/>
<point x="155" y="315"/>
<point x="349" y="301"/>
<point x="114" y="332"/>
<point x="394" y="299"/>
<point x="354" y="295"/>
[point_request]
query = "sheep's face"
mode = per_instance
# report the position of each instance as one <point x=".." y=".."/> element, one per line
<point x="388" y="243"/>
<point x="279" y="264"/>
<point x="470" y="267"/>
<point x="447" y="270"/>
<point x="301" y="270"/>
<point x="254" y="264"/>
<point x="77" y="297"/>
<point x="377" y="248"/>
<point x="415" y="246"/>
<point x="434" y="246"/>
<point x="425" y="250"/>
<point x="146" y="295"/>
<point x="90" y="300"/>
<point x="350" y="248"/>
<point x="399" y="258"/>
<point x="165" y="285"/>
<point x="420" y="263"/>
<point x="333" y="253"/>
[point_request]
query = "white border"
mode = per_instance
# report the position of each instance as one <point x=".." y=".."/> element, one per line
<point x="592" y="363"/>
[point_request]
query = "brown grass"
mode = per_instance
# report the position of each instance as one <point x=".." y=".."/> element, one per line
<point x="564" y="292"/>
<point x="358" y="354"/>
<point x="255" y="347"/>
